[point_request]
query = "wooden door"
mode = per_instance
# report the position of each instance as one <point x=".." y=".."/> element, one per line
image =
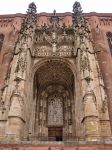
<point x="55" y="133"/>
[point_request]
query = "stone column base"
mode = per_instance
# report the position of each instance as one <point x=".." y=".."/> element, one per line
<point x="91" y="124"/>
<point x="14" y="129"/>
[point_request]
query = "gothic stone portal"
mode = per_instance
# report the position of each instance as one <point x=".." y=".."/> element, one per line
<point x="54" y="102"/>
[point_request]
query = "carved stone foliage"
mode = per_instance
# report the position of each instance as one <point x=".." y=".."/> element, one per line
<point x="53" y="40"/>
<point x="59" y="42"/>
<point x="21" y="65"/>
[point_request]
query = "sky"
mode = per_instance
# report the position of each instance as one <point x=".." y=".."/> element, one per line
<point x="20" y="6"/>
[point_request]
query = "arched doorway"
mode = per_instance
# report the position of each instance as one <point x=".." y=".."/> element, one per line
<point x="54" y="109"/>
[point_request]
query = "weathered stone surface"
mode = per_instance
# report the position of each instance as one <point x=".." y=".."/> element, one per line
<point x="30" y="147"/>
<point x="55" y="62"/>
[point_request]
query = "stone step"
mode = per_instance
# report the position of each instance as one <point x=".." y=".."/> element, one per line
<point x="49" y="147"/>
<point x="56" y="148"/>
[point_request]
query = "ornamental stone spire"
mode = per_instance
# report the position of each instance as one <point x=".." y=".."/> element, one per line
<point x="31" y="16"/>
<point x="31" y="12"/>
<point x="77" y="14"/>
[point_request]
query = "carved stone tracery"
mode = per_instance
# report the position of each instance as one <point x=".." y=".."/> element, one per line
<point x="55" y="43"/>
<point x="55" y="111"/>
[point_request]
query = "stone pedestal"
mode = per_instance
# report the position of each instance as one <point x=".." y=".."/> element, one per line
<point x="15" y="122"/>
<point x="14" y="130"/>
<point x="90" y="120"/>
<point x="91" y="128"/>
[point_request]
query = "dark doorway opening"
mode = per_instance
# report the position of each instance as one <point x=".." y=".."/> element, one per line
<point x="55" y="134"/>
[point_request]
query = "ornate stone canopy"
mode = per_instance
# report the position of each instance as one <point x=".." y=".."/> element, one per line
<point x="55" y="72"/>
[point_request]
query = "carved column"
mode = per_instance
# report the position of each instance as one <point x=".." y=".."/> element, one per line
<point x="90" y="119"/>
<point x="15" y="96"/>
<point x="65" y="128"/>
<point x="45" y="129"/>
<point x="103" y="116"/>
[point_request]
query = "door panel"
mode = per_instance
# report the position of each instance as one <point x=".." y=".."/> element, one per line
<point x="55" y="133"/>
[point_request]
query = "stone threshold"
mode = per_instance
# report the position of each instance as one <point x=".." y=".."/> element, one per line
<point x="54" y="143"/>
